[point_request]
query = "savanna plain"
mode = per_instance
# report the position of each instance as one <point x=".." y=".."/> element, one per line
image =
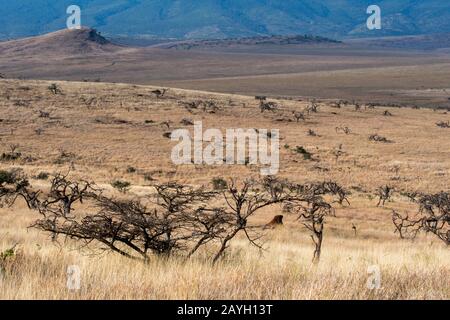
<point x="109" y="132"/>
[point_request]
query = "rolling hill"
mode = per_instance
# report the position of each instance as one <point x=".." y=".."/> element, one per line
<point x="59" y="43"/>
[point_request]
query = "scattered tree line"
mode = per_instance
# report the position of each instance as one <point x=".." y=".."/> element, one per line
<point x="179" y="219"/>
<point x="174" y="220"/>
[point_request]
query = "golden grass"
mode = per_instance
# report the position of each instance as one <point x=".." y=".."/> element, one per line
<point x="418" y="159"/>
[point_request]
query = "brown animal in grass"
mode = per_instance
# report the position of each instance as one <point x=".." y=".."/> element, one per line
<point x="276" y="222"/>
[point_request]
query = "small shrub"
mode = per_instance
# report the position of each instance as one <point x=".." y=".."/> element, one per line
<point x="131" y="170"/>
<point x="378" y="138"/>
<point x="42" y="175"/>
<point x="54" y="88"/>
<point x="148" y="177"/>
<point x="7" y="177"/>
<point x="122" y="186"/>
<point x="187" y="122"/>
<point x="306" y="155"/>
<point x="443" y="124"/>
<point x="219" y="183"/>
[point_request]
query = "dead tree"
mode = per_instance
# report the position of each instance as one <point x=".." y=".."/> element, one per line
<point x="64" y="193"/>
<point x="268" y="106"/>
<point x="54" y="89"/>
<point x="343" y="129"/>
<point x="44" y="114"/>
<point x="433" y="217"/>
<point x="298" y="116"/>
<point x="244" y="201"/>
<point x="332" y="188"/>
<point x="210" y="105"/>
<point x="443" y="124"/>
<point x="169" y="221"/>
<point x="377" y="138"/>
<point x="159" y="93"/>
<point x="312" y="210"/>
<point x="312" y="108"/>
<point x="166" y="123"/>
<point x="178" y="205"/>
<point x="384" y="194"/>
<point x="14" y="185"/>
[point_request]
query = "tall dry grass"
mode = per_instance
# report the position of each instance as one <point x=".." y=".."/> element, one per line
<point x="418" y="159"/>
<point x="409" y="269"/>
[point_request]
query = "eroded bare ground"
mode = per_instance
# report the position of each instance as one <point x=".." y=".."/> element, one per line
<point x="99" y="131"/>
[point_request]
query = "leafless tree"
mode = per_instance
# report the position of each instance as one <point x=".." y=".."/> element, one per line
<point x="54" y="88"/>
<point x="64" y="193"/>
<point x="186" y="122"/>
<point x="169" y="221"/>
<point x="268" y="106"/>
<point x="343" y="129"/>
<point x="312" y="108"/>
<point x="433" y="217"/>
<point x="312" y="210"/>
<point x="244" y="201"/>
<point x="298" y="116"/>
<point x="443" y="124"/>
<point x="14" y="185"/>
<point x="377" y="138"/>
<point x="332" y="188"/>
<point x="166" y="123"/>
<point x="159" y="93"/>
<point x="384" y="193"/>
<point x="44" y="114"/>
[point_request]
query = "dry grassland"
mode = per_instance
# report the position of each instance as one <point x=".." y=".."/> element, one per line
<point x="97" y="131"/>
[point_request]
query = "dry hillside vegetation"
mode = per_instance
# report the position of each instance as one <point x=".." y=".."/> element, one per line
<point x="390" y="162"/>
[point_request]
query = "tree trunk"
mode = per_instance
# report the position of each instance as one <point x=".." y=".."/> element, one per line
<point x="318" y="249"/>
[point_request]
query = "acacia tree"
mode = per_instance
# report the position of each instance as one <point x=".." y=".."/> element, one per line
<point x="433" y="217"/>
<point x="244" y="201"/>
<point x="384" y="194"/>
<point x="176" y="218"/>
<point x="312" y="209"/>
<point x="64" y="193"/>
<point x="14" y="185"/>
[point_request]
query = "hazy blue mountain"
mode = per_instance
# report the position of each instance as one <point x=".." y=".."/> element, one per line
<point x="187" y="19"/>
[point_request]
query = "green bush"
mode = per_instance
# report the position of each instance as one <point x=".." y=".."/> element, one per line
<point x="219" y="183"/>
<point x="42" y="176"/>
<point x="122" y="186"/>
<point x="7" y="177"/>
<point x="131" y="170"/>
<point x="306" y="155"/>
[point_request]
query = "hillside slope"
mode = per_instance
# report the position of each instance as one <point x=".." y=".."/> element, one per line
<point x="60" y="43"/>
<point x="227" y="18"/>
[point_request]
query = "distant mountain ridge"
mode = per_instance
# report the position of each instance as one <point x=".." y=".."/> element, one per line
<point x="219" y="19"/>
<point x="248" y="41"/>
